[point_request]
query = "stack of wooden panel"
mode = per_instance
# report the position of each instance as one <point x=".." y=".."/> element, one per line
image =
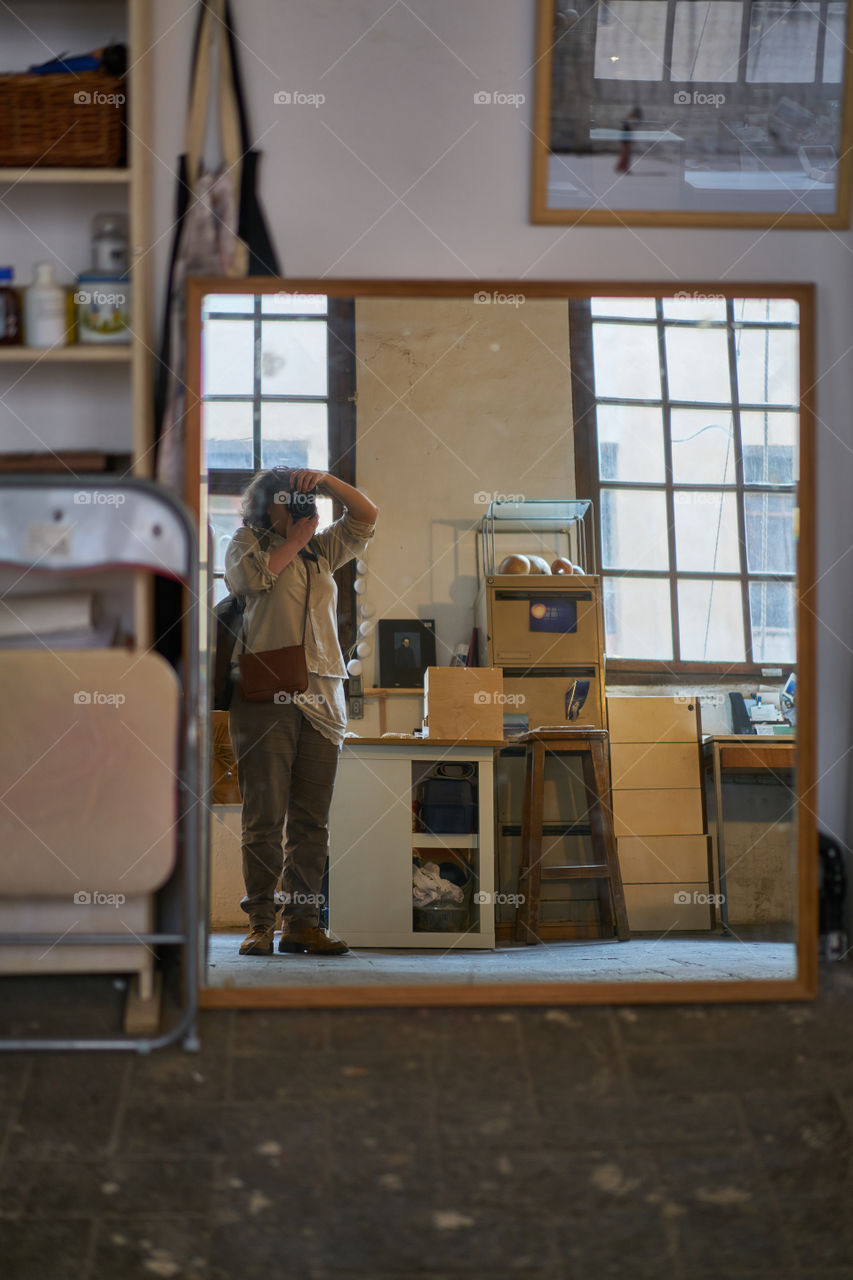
<point x="658" y="812"/>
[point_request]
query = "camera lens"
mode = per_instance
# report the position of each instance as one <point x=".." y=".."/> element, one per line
<point x="302" y="505"/>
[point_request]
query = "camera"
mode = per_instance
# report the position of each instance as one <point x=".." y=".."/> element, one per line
<point x="303" y="506"/>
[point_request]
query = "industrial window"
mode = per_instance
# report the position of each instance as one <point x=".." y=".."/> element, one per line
<point x="279" y="390"/>
<point x="686" y="413"/>
<point x="720" y="41"/>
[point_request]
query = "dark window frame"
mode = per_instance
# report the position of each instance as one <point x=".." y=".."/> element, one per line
<point x="589" y="485"/>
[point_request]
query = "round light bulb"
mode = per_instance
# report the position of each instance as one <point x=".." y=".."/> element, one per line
<point x="354" y="667"/>
<point x="366" y="628"/>
<point x="359" y="585"/>
<point x="362" y="649"/>
<point x="366" y="610"/>
<point x="361" y="566"/>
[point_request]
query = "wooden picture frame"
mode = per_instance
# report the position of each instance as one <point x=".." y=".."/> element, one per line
<point x="801" y="987"/>
<point x="406" y="649"/>
<point x="660" y="151"/>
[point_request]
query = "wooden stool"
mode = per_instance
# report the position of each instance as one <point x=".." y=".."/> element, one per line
<point x="590" y="745"/>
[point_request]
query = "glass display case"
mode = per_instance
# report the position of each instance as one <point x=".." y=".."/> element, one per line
<point x="552" y="530"/>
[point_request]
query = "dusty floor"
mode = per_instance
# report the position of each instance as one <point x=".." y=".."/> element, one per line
<point x="639" y="960"/>
<point x="641" y="1142"/>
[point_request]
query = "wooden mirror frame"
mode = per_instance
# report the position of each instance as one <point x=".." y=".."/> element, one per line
<point x="542" y="212"/>
<point x="804" y="985"/>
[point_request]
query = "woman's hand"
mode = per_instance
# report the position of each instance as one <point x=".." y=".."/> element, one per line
<point x="302" y="531"/>
<point x="328" y="486"/>
<point x="306" y="481"/>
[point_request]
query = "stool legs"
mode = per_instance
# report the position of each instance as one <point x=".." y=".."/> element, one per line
<point x="611" y="894"/>
<point x="529" y="878"/>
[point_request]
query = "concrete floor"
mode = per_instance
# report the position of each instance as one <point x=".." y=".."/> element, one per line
<point x="639" y="960"/>
<point x="635" y="1143"/>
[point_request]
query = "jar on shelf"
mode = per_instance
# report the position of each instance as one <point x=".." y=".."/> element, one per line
<point x="11" y="334"/>
<point x="109" y="243"/>
<point x="103" y="307"/>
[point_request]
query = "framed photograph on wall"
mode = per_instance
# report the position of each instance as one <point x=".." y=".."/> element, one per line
<point x="406" y="649"/>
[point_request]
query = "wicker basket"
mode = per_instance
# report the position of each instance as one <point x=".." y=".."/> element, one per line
<point x="62" y="121"/>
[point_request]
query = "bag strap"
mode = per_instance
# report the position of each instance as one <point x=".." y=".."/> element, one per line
<point x="264" y="539"/>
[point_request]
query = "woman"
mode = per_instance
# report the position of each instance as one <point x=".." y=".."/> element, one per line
<point x="287" y="750"/>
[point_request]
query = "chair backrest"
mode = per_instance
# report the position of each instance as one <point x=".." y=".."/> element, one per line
<point x="89" y="762"/>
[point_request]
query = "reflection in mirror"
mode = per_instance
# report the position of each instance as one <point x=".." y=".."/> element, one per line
<point x="651" y="444"/>
<point x="715" y="110"/>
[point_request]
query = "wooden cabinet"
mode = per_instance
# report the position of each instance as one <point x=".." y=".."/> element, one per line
<point x="371" y="842"/>
<point x="658" y="812"/>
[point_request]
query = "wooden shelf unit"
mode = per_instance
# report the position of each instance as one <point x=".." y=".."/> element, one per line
<point x="124" y="188"/>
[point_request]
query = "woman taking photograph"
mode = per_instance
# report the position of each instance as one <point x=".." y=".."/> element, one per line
<point x="287" y="749"/>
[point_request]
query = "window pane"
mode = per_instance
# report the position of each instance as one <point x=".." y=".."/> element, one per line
<point x="228" y="433"/>
<point x="633" y="529"/>
<point x="760" y="310"/>
<point x="769" y="447"/>
<point x="637" y="618"/>
<point x="706" y="532"/>
<point x="767" y="366"/>
<point x="294" y="435"/>
<point x="697" y="363"/>
<point x="706" y="40"/>
<point x="771" y="611"/>
<point x="639" y="308"/>
<point x="244" y="303"/>
<point x="626" y="361"/>
<point x="702" y="446"/>
<point x="710" y="621"/>
<point x="770" y="532"/>
<point x="629" y="40"/>
<point x="782" y="43"/>
<point x="293" y="358"/>
<point x="286" y="303"/>
<point x="229" y="357"/>
<point x="225" y="518"/>
<point x="833" y="53"/>
<point x="630" y="443"/>
<point x="695" y="308"/>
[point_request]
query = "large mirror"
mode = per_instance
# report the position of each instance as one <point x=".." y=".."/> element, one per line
<point x="693" y="112"/>
<point x="596" y="508"/>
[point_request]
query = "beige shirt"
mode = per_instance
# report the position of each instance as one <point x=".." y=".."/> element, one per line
<point x="275" y="608"/>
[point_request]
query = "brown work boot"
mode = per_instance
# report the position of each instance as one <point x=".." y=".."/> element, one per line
<point x="298" y="935"/>
<point x="259" y="941"/>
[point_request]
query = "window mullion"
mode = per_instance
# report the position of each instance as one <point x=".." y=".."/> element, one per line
<point x="669" y="478"/>
<point x="256" y="388"/>
<point x="737" y="445"/>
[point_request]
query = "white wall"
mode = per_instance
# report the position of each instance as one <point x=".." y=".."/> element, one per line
<point x="400" y="174"/>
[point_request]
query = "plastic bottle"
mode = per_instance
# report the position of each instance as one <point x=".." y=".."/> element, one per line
<point x="10" y="310"/>
<point x="45" y="322"/>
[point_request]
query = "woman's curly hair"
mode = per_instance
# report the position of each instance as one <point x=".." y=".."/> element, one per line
<point x="260" y="492"/>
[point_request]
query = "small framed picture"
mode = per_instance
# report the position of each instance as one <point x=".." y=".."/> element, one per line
<point x="406" y="649"/>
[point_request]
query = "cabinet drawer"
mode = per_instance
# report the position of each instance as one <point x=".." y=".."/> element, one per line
<point x="636" y="765"/>
<point x="652" y="720"/>
<point x="520" y="632"/>
<point x="652" y="908"/>
<point x="663" y="859"/>
<point x="547" y="697"/>
<point x="657" y="813"/>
